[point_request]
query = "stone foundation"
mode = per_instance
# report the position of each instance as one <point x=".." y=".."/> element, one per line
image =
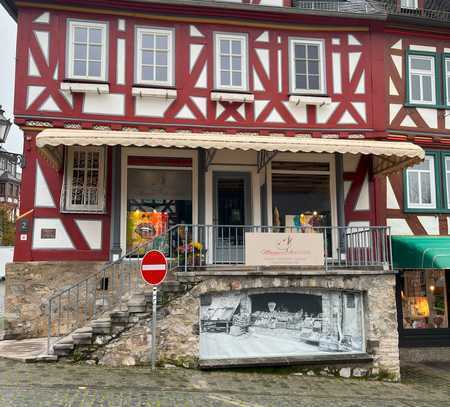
<point x="178" y="342"/>
<point x="28" y="287"/>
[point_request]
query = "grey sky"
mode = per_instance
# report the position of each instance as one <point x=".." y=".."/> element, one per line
<point x="8" y="29"/>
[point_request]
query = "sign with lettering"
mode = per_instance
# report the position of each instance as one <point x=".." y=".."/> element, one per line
<point x="284" y="249"/>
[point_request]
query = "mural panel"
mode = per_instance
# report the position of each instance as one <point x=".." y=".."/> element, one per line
<point x="268" y="323"/>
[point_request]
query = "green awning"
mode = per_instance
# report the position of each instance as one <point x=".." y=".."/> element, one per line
<point x="421" y="252"/>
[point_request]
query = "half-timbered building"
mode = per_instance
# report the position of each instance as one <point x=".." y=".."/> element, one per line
<point x="211" y="129"/>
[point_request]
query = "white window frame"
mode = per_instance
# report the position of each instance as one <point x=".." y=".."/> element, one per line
<point x="409" y="4"/>
<point x="422" y="73"/>
<point x="431" y="205"/>
<point x="446" y="74"/>
<point x="138" y="56"/>
<point x="67" y="205"/>
<point x="244" y="60"/>
<point x="447" y="175"/>
<point x="322" y="72"/>
<point x="103" y="26"/>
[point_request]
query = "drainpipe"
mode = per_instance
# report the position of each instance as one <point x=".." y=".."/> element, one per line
<point x="339" y="164"/>
<point x="116" y="190"/>
<point x="201" y="186"/>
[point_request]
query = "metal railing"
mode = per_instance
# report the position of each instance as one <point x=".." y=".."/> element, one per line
<point x="194" y="246"/>
<point x="368" y="7"/>
<point x="72" y="307"/>
<point x="422" y="13"/>
<point x="350" y="7"/>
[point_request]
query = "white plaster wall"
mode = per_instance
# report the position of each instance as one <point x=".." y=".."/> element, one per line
<point x="62" y="239"/>
<point x="399" y="226"/>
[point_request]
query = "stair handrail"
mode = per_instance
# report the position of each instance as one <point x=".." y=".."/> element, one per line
<point x="89" y="286"/>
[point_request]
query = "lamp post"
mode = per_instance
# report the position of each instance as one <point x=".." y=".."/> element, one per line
<point x="5" y="126"/>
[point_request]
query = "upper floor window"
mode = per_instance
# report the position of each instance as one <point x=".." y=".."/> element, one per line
<point x="154" y="57"/>
<point x="87" y="50"/>
<point x="307" y="64"/>
<point x="411" y="4"/>
<point x="422" y="79"/>
<point x="231" y="61"/>
<point x="421" y="185"/>
<point x="84" y="183"/>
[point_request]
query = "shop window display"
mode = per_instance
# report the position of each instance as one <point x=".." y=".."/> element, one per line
<point x="301" y="199"/>
<point x="157" y="199"/>
<point x="424" y="299"/>
<point x="301" y="195"/>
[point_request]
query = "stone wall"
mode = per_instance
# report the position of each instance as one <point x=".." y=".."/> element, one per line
<point x="28" y="287"/>
<point x="178" y="341"/>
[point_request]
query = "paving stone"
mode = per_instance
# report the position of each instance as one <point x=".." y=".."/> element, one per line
<point x="70" y="385"/>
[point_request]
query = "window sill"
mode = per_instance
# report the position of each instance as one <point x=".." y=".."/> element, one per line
<point x="231" y="97"/>
<point x="162" y="93"/>
<point x="416" y="105"/>
<point x="85" y="87"/>
<point x="309" y="100"/>
<point x="427" y="211"/>
<point x="84" y="211"/>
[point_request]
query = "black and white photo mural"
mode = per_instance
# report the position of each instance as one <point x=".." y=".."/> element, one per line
<point x="269" y="323"/>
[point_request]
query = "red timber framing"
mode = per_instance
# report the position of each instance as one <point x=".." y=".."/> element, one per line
<point x="427" y="126"/>
<point x="355" y="80"/>
<point x="67" y="222"/>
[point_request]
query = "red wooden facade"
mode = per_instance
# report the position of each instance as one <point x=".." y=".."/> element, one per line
<point x="362" y="76"/>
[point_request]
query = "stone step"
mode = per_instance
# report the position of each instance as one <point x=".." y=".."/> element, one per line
<point x="82" y="338"/>
<point x="102" y="329"/>
<point x="63" y="349"/>
<point x="100" y="322"/>
<point x="83" y="330"/>
<point x="137" y="308"/>
<point x="66" y="340"/>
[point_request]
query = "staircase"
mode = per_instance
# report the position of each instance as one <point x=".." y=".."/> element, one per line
<point x="111" y="324"/>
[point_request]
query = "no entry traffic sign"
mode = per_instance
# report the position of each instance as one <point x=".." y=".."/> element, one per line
<point x="154" y="267"/>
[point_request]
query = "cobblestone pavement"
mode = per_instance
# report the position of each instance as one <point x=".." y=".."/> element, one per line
<point x="81" y="385"/>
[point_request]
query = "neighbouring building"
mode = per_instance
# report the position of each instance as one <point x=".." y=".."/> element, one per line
<point x="415" y="203"/>
<point x="9" y="183"/>
<point x="248" y="141"/>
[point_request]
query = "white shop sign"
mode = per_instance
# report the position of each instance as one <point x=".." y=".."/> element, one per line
<point x="284" y="249"/>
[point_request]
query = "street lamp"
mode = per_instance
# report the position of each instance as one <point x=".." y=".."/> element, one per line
<point x="5" y="125"/>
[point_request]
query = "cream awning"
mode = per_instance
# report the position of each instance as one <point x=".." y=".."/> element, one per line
<point x="389" y="156"/>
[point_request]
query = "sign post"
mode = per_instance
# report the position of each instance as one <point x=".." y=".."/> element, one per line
<point x="154" y="271"/>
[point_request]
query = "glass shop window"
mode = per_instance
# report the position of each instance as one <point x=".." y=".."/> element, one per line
<point x="157" y="199"/>
<point x="301" y="200"/>
<point x="424" y="299"/>
<point x="301" y="195"/>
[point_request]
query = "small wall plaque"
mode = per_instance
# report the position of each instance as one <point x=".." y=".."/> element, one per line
<point x="48" y="233"/>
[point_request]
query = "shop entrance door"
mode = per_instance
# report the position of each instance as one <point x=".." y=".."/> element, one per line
<point x="232" y="210"/>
